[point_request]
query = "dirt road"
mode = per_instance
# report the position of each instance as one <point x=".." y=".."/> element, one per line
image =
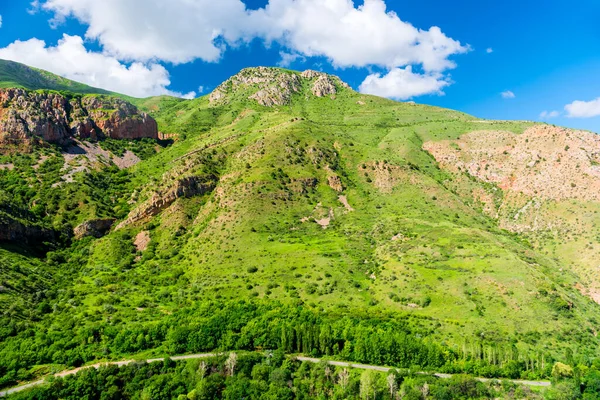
<point x="206" y="355"/>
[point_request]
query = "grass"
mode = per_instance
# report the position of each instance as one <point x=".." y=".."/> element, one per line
<point x="450" y="267"/>
<point x="472" y="277"/>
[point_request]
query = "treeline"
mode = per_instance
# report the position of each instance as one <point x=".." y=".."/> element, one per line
<point x="256" y="376"/>
<point x="236" y="325"/>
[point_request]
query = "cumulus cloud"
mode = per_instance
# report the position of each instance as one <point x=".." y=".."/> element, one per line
<point x="489" y="50"/>
<point x="583" y="109"/>
<point x="403" y="84"/>
<point x="549" y="114"/>
<point x="353" y="37"/>
<point x="177" y="31"/>
<point x="507" y="94"/>
<point x="182" y="30"/>
<point x="70" y="59"/>
<point x="135" y="35"/>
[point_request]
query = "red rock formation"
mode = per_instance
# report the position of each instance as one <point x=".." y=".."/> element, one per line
<point x="27" y="117"/>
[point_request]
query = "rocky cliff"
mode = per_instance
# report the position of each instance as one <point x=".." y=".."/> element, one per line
<point x="94" y="228"/>
<point x="30" y="116"/>
<point x="14" y="231"/>
<point x="183" y="188"/>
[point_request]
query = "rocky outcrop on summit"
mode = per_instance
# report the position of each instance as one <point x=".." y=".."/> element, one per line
<point x="325" y="85"/>
<point x="273" y="86"/>
<point x="27" y="117"/>
<point x="186" y="187"/>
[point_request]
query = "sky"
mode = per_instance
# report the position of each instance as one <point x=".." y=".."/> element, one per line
<point x="527" y="59"/>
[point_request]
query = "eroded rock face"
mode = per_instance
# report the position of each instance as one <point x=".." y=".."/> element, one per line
<point x="185" y="187"/>
<point x="14" y="231"/>
<point x="118" y="119"/>
<point x="26" y="114"/>
<point x="273" y="86"/>
<point x="27" y="117"/>
<point x="95" y="228"/>
<point x="324" y="86"/>
<point x="544" y="162"/>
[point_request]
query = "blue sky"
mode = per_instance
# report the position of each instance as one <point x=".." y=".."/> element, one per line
<point x="543" y="55"/>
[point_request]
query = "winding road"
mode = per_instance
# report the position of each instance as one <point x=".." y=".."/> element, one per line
<point x="207" y="355"/>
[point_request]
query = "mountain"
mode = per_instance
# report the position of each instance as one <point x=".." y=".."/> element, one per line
<point x="17" y="75"/>
<point x="289" y="211"/>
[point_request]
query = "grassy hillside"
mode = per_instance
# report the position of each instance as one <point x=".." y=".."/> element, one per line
<point x="16" y="75"/>
<point x="319" y="225"/>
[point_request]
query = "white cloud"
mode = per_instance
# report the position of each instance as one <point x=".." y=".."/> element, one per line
<point x="583" y="109"/>
<point x="34" y="7"/>
<point x="489" y="50"/>
<point x="201" y="89"/>
<point x="0" y="21"/>
<point x="177" y="31"/>
<point x="403" y="84"/>
<point x="70" y="59"/>
<point x="354" y="37"/>
<point x="507" y="94"/>
<point x="549" y="114"/>
<point x="189" y="96"/>
<point x="288" y="58"/>
<point x="180" y="31"/>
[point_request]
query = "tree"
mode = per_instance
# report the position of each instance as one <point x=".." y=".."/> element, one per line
<point x="561" y="371"/>
<point x="344" y="378"/>
<point x="392" y="385"/>
<point x="367" y="385"/>
<point x="230" y="364"/>
<point x="202" y="369"/>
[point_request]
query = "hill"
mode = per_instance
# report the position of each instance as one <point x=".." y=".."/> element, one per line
<point x="292" y="212"/>
<point x="17" y="75"/>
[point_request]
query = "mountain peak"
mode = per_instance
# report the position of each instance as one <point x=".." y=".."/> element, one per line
<point x="270" y="86"/>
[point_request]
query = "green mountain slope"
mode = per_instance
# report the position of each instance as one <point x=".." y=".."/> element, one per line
<point x="13" y="74"/>
<point x="293" y="212"/>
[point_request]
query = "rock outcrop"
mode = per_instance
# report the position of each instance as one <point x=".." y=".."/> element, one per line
<point x="185" y="187"/>
<point x="14" y="231"/>
<point x="95" y="228"/>
<point x="27" y="117"/>
<point x="275" y="87"/>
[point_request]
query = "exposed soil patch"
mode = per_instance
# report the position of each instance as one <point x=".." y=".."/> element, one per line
<point x="592" y="293"/>
<point x="142" y="240"/>
<point x="7" y="166"/>
<point x="85" y="156"/>
<point x="385" y="176"/>
<point x="344" y="201"/>
<point x="324" y="222"/>
<point x="42" y="160"/>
